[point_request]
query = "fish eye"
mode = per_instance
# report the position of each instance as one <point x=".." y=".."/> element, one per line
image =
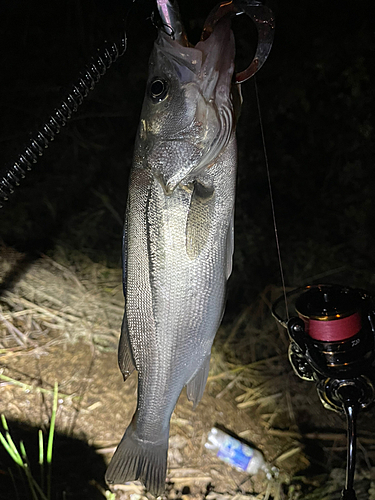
<point x="158" y="90"/>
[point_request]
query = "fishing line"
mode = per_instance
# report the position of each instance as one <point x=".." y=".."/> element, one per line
<point x="271" y="199"/>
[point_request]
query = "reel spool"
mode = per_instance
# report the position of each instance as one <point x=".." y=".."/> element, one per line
<point x="332" y="340"/>
<point x="332" y="344"/>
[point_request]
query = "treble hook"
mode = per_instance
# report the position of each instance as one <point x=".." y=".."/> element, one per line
<point x="264" y="21"/>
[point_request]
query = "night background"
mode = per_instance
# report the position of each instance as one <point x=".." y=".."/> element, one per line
<point x="316" y="94"/>
<point x="316" y="98"/>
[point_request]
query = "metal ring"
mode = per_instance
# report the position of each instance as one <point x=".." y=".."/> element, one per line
<point x="264" y="21"/>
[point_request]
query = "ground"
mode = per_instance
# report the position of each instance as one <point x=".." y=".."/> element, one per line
<point x="60" y="322"/>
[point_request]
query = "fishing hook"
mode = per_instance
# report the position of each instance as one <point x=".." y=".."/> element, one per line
<point x="159" y="24"/>
<point x="169" y="14"/>
<point x="264" y="21"/>
<point x="85" y="83"/>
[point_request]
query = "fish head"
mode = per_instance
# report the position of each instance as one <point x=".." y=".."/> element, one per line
<point x="187" y="116"/>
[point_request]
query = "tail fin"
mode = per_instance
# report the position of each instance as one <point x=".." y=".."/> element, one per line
<point x="136" y="459"/>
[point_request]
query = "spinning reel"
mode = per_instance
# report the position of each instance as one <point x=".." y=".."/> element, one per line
<point x="332" y="344"/>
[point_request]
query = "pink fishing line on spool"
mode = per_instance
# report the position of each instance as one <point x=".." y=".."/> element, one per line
<point x="330" y="313"/>
<point x="332" y="344"/>
<point x="334" y="329"/>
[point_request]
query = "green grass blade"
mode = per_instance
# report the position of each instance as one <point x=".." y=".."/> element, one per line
<point x="41" y="447"/>
<point x="15" y="456"/>
<point x="36" y="490"/>
<point x="52" y="426"/>
<point x="13" y="447"/>
<point x="50" y="440"/>
<point x="10" y="441"/>
<point x="23" y="451"/>
<point x="4" y="422"/>
<point x="28" y="387"/>
<point x="41" y="493"/>
<point x="21" y="459"/>
<point x="31" y="481"/>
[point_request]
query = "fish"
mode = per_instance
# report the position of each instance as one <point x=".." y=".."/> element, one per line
<point x="178" y="240"/>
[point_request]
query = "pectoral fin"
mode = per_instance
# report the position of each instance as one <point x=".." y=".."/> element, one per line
<point x="195" y="387"/>
<point x="199" y="219"/>
<point x="125" y="354"/>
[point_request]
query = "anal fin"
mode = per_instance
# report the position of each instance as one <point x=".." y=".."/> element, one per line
<point x="125" y="355"/>
<point x="195" y="387"/>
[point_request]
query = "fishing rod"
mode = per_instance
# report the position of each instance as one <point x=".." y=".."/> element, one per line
<point x="332" y="343"/>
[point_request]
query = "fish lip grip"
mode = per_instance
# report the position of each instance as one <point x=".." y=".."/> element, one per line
<point x="264" y="21"/>
<point x="262" y="17"/>
<point x="332" y="344"/>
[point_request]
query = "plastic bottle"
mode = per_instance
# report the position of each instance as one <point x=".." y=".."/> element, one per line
<point x="238" y="454"/>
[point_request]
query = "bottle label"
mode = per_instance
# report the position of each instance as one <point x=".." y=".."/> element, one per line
<point x="235" y="453"/>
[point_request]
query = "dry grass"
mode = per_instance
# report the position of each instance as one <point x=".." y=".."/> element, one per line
<point x="51" y="302"/>
<point x="64" y="299"/>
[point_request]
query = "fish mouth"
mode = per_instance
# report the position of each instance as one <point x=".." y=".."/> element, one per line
<point x="210" y="64"/>
<point x="212" y="59"/>
<point x="203" y="74"/>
